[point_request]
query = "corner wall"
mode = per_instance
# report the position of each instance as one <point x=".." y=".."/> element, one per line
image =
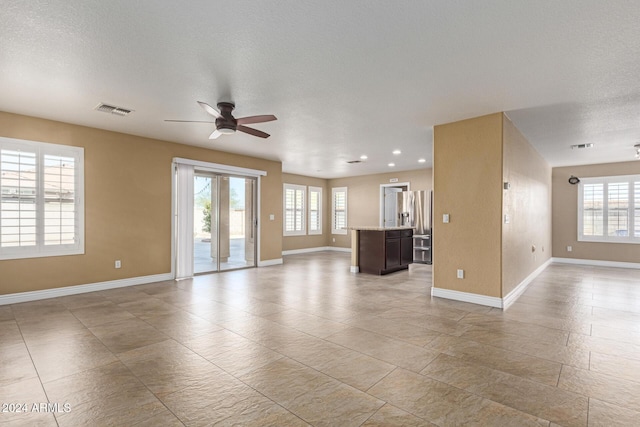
<point x="467" y="185"/>
<point x="565" y="215"/>
<point x="528" y="205"/>
<point x="127" y="205"/>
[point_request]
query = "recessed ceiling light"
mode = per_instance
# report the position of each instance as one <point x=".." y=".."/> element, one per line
<point x="396" y="152"/>
<point x="392" y="165"/>
<point x="363" y="157"/>
<point x="422" y="160"/>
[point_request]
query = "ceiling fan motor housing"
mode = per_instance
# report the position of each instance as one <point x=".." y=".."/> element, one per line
<point x="227" y="123"/>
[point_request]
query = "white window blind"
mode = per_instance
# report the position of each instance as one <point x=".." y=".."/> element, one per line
<point x="339" y="210"/>
<point x="609" y="209"/>
<point x="315" y="210"/>
<point x="294" y="209"/>
<point x="41" y="208"/>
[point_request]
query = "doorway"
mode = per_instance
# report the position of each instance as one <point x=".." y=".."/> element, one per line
<point x="224" y="222"/>
<point x="388" y="205"/>
<point x="215" y="211"/>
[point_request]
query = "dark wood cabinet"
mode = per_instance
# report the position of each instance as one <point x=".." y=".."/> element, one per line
<point x="385" y="251"/>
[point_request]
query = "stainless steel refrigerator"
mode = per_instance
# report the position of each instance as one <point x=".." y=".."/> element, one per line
<point x="414" y="210"/>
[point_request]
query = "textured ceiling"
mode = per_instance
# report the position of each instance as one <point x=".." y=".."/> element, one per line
<point x="344" y="78"/>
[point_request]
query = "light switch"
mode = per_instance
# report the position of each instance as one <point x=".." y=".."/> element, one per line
<point x="445" y="218"/>
<point x="460" y="274"/>
<point x="506" y="218"/>
<point x="272" y="217"/>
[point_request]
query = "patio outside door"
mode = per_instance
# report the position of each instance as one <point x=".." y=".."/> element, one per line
<point x="224" y="222"/>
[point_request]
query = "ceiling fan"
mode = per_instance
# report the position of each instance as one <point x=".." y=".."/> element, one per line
<point x="227" y="124"/>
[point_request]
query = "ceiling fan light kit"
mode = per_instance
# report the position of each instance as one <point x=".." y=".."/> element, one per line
<point x="226" y="124"/>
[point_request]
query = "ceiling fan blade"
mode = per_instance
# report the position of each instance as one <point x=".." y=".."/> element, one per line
<point x="256" y="119"/>
<point x="189" y="121"/>
<point x="252" y="131"/>
<point x="209" y="109"/>
<point x="216" y="133"/>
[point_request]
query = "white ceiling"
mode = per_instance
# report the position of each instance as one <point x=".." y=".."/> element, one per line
<point x="344" y="78"/>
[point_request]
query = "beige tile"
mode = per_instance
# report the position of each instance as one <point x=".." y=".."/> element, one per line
<point x="500" y="325"/>
<point x="126" y="335"/>
<point x="6" y="314"/>
<point x="25" y="393"/>
<point x="308" y="323"/>
<point x="168" y="366"/>
<point x="237" y="407"/>
<point x="434" y="323"/>
<point x="82" y="300"/>
<point x="390" y="416"/>
<point x="10" y="333"/>
<point x="92" y="385"/>
<point x="182" y="326"/>
<point x="443" y="404"/>
<point x="16" y="365"/>
<point x="148" y="307"/>
<point x="616" y="333"/>
<point x="232" y="352"/>
<point x="559" y="353"/>
<point x="605" y="346"/>
<point x="610" y="389"/>
<point x="396" y="352"/>
<point x="548" y="402"/>
<point x="311" y="395"/>
<point x="603" y="414"/>
<point x="411" y="333"/>
<point x="68" y="355"/>
<point x="523" y="365"/>
<point x="615" y="366"/>
<point x="100" y="313"/>
<point x="127" y="407"/>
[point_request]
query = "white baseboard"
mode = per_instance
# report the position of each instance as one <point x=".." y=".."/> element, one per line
<point x="596" y="263"/>
<point x="354" y="269"/>
<point x="269" y="262"/>
<point x="316" y="249"/>
<point x="81" y="289"/>
<point x="515" y="294"/>
<point x="467" y="297"/>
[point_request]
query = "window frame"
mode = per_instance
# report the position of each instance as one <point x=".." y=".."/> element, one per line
<point x="630" y="180"/>
<point x="317" y="190"/>
<point x="295" y="232"/>
<point x="41" y="249"/>
<point x="334" y="191"/>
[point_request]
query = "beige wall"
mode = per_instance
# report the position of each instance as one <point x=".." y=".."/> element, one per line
<point x="363" y="208"/>
<point x="528" y="205"/>
<point x="467" y="184"/>
<point x="565" y="215"/>
<point x="310" y="241"/>
<point x="127" y="205"/>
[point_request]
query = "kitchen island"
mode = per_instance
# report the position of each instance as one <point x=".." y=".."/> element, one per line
<point x="381" y="250"/>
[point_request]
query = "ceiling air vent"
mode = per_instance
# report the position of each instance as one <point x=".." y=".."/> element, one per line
<point x="118" y="111"/>
<point x="578" y="146"/>
<point x="354" y="161"/>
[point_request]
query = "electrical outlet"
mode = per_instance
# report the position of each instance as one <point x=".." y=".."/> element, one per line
<point x="569" y="248"/>
<point x="445" y="218"/>
<point x="334" y="240"/>
<point x="272" y="217"/>
<point x="118" y="263"/>
<point x="460" y="274"/>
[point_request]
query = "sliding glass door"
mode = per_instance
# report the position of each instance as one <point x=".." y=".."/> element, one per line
<point x="224" y="222"/>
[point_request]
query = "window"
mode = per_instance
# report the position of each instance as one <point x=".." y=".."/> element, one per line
<point x="294" y="209"/>
<point x="609" y="209"/>
<point x="41" y="204"/>
<point x="315" y="210"/>
<point x="339" y="210"/>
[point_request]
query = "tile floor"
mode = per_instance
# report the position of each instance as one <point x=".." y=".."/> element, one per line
<point x="308" y="343"/>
